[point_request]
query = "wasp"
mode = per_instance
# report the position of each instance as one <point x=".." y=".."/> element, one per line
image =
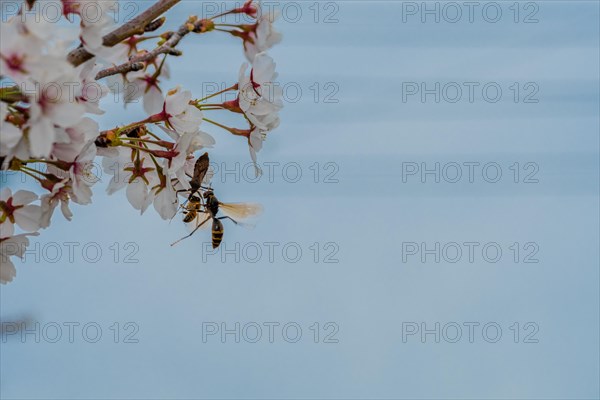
<point x="201" y="213"/>
<point x="200" y="170"/>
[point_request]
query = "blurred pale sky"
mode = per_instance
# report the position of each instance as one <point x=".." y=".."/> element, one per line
<point x="364" y="135"/>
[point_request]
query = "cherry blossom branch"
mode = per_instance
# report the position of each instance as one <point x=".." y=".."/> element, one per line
<point x="138" y="26"/>
<point x="168" y="47"/>
<point x="120" y="69"/>
<point x="137" y="63"/>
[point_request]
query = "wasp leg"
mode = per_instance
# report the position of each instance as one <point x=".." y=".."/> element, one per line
<point x="177" y="194"/>
<point x="226" y="217"/>
<point x="182" y="205"/>
<point x="194" y="231"/>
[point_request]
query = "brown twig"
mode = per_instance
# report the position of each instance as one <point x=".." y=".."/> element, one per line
<point x="120" y="69"/>
<point x="136" y="26"/>
<point x="168" y="47"/>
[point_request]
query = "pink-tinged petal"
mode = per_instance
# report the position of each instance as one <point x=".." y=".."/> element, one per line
<point x="117" y="183"/>
<point x="87" y="129"/>
<point x="88" y="153"/>
<point x="28" y="218"/>
<point x="82" y="194"/>
<point x="194" y="115"/>
<point x="256" y="142"/>
<point x="16" y="245"/>
<point x="66" y="211"/>
<point x="48" y="207"/>
<point x="178" y="102"/>
<point x="92" y="37"/>
<point x="182" y="126"/>
<point x="66" y="152"/>
<point x="7" y="229"/>
<point x="24" y="197"/>
<point x="61" y="135"/>
<point x="257" y="169"/>
<point x="5" y="193"/>
<point x="182" y="179"/>
<point x="204" y="140"/>
<point x="137" y="192"/>
<point x="172" y="134"/>
<point x="66" y="114"/>
<point x="165" y="72"/>
<point x="263" y="68"/>
<point x="146" y="203"/>
<point x="10" y="136"/>
<point x="250" y="51"/>
<point x="165" y="203"/>
<point x="116" y="55"/>
<point x="153" y="101"/>
<point x="133" y="90"/>
<point x="41" y="137"/>
<point x="7" y="270"/>
<point x="242" y="74"/>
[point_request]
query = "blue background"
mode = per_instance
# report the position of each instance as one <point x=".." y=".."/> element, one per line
<point x="368" y="213"/>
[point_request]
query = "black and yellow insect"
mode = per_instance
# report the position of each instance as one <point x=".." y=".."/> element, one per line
<point x="202" y="213"/>
<point x="200" y="170"/>
<point x="192" y="208"/>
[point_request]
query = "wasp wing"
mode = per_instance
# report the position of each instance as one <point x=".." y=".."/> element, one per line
<point x="241" y="210"/>
<point x="200" y="169"/>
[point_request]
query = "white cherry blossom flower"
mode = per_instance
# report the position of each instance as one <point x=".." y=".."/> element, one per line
<point x="9" y="247"/>
<point x="60" y="193"/>
<point x="51" y="105"/>
<point x="186" y="145"/>
<point x="113" y="164"/>
<point x="79" y="135"/>
<point x="164" y="197"/>
<point x="80" y="176"/>
<point x="138" y="175"/>
<point x="89" y="91"/>
<point x="139" y="194"/>
<point x="19" y="52"/>
<point x="145" y="86"/>
<point x="179" y="114"/>
<point x="255" y="142"/>
<point x="95" y="20"/>
<point x="11" y="135"/>
<point x="264" y="36"/>
<point x="17" y="209"/>
<point x="52" y="33"/>
<point x="259" y="97"/>
<point x="115" y="55"/>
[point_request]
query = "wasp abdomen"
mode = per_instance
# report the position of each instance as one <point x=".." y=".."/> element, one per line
<point x="189" y="217"/>
<point x="217" y="233"/>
